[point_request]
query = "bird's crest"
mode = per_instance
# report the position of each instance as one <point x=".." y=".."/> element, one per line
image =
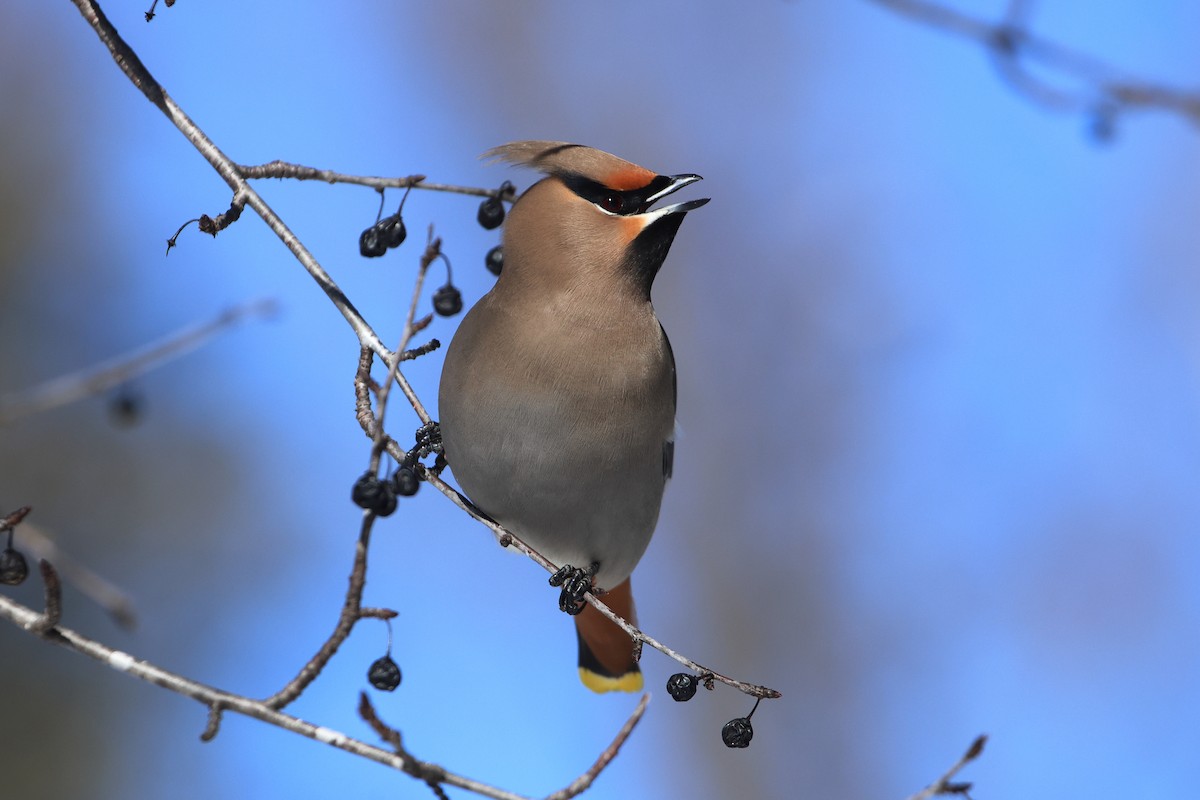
<point x="563" y="159"/>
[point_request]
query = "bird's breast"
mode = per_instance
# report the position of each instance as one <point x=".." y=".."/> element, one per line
<point x="554" y="424"/>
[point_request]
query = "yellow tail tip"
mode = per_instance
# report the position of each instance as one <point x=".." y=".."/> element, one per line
<point x="629" y="682"/>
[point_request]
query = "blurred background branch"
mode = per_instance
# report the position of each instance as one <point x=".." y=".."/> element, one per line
<point x="1069" y="79"/>
<point x="120" y="370"/>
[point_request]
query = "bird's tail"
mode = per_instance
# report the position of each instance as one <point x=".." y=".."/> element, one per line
<point x="605" y="651"/>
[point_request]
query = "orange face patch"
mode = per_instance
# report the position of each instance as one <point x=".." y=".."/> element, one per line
<point x="629" y="177"/>
<point x="631" y="227"/>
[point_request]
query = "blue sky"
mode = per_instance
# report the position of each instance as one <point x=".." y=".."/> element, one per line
<point x="938" y="397"/>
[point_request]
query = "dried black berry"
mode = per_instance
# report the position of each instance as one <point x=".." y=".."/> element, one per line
<point x="491" y="213"/>
<point x="384" y="674"/>
<point x="13" y="567"/>
<point x="447" y="300"/>
<point x="394" y="232"/>
<point x="405" y="482"/>
<point x="682" y="686"/>
<point x="737" y="732"/>
<point x="494" y="260"/>
<point x="368" y="491"/>
<point x="387" y="503"/>
<point x="371" y="242"/>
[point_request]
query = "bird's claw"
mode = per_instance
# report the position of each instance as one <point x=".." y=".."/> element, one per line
<point x="575" y="583"/>
<point x="428" y="440"/>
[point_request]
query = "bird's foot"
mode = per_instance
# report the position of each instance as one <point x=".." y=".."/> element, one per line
<point x="575" y="583"/>
<point x="429" y="440"/>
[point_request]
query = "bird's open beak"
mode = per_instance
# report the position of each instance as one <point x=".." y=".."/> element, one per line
<point x="677" y="183"/>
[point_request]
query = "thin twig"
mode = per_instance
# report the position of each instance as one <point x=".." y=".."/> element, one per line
<point x="352" y="610"/>
<point x="431" y="774"/>
<point x="432" y="249"/>
<point x="350" y="614"/>
<point x="51" y="616"/>
<point x="13" y="518"/>
<point x="584" y="781"/>
<point x="100" y="378"/>
<point x="945" y="785"/>
<point x="284" y="169"/>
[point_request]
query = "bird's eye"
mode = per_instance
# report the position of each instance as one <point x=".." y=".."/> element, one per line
<point x="612" y="203"/>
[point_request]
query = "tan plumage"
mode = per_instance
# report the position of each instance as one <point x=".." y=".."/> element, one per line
<point x="557" y="398"/>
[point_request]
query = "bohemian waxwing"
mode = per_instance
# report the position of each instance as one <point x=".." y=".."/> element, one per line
<point x="557" y="398"/>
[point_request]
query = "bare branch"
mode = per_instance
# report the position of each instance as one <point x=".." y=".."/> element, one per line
<point x="431" y="774"/>
<point x="98" y="379"/>
<point x="283" y="169"/>
<point x="351" y="613"/>
<point x="584" y="781"/>
<point x="53" y="613"/>
<point x="14" y="518"/>
<point x="352" y="610"/>
<point x="432" y="250"/>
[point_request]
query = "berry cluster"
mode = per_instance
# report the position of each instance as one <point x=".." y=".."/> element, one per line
<point x="389" y="232"/>
<point x="380" y="495"/>
<point x="386" y="233"/>
<point x="736" y="733"/>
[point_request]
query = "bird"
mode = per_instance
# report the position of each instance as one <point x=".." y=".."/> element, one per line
<point x="558" y="392"/>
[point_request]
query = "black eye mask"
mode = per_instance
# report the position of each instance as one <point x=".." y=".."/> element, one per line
<point x="631" y="201"/>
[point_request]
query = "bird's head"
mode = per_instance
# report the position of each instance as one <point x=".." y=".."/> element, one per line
<point x="591" y="219"/>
